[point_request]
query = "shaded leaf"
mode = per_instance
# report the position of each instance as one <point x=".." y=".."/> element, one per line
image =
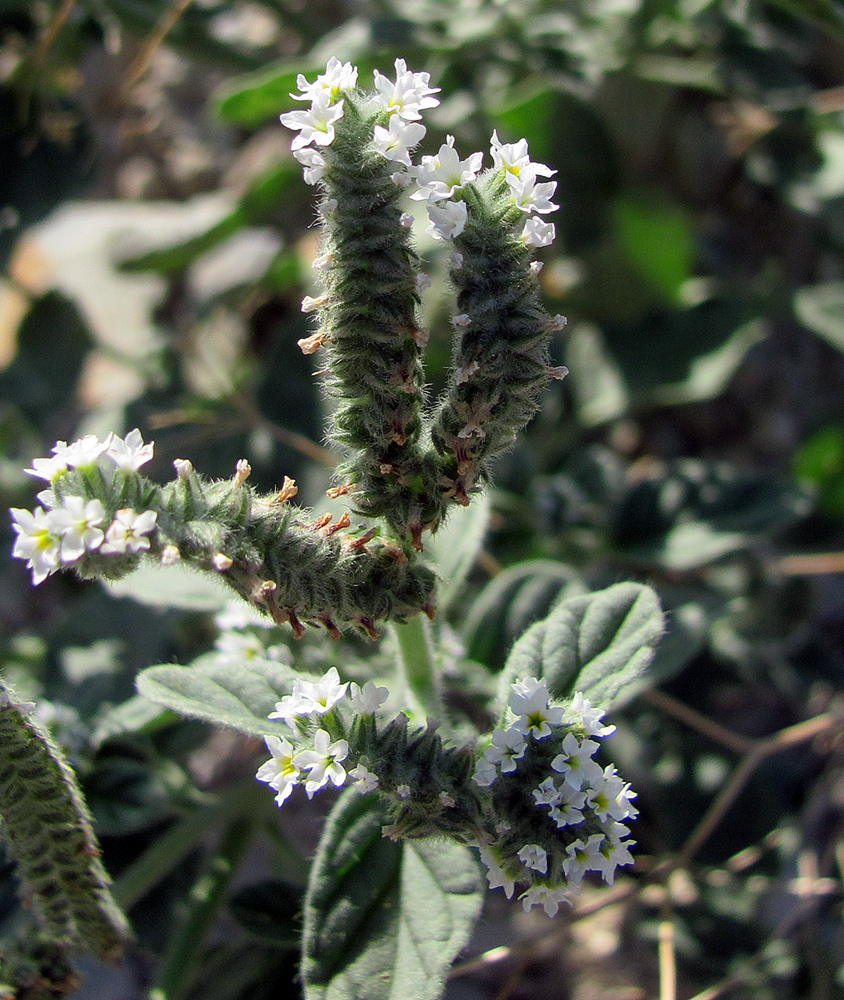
<point x="171" y="587"/>
<point x="455" y="546"/>
<point x="269" y="910"/>
<point x="659" y="241"/>
<point x="599" y="644"/>
<point x="821" y="309"/>
<point x="384" y="919"/>
<point x="240" y="696"/>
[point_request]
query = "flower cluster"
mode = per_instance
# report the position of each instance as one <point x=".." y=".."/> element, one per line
<point x="543" y="760"/>
<point x="528" y="193"/>
<point x="312" y="712"/>
<point x="66" y="527"/>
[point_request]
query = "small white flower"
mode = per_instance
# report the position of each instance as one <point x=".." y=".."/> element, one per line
<point x="568" y="811"/>
<point x="238" y="614"/>
<point x="403" y="792"/>
<point x="613" y="852"/>
<point x="323" y="763"/>
<point x="441" y="175"/>
<point x="575" y="763"/>
<point x="183" y="467"/>
<point x="485" y="773"/>
<point x="37" y="541"/>
<point x="328" y="206"/>
<point x="81" y="454"/>
<point x="448" y="220"/>
<point x="78" y="524"/>
<point x="455" y="260"/>
<point x="533" y="856"/>
<point x="311" y="697"/>
<point x="365" y="780"/>
<point x="395" y="142"/>
<point x="536" y="265"/>
<point x="336" y="78"/>
<point x="47" y="468"/>
<point x="170" y="555"/>
<point x="401" y="178"/>
<point x="547" y="794"/>
<point x="313" y="162"/>
<point x="447" y="801"/>
<point x="409" y="95"/>
<point x="406" y="220"/>
<point x="368" y="699"/>
<point x="422" y="282"/>
<point x="128" y="531"/>
<point x="538" y="233"/>
<point x="546" y="896"/>
<point x="513" y="157"/>
<point x="311" y="304"/>
<point x="221" y="562"/>
<point x="495" y="874"/>
<point x="590" y="718"/>
<point x="507" y="746"/>
<point x="461" y="320"/>
<point x="129" y="453"/>
<point x="529" y="701"/>
<point x="280" y="773"/>
<point x="316" y="124"/>
<point x="581" y="856"/>
<point x="235" y="648"/>
<point x="531" y="196"/>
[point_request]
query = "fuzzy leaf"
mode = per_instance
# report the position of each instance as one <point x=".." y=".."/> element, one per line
<point x="599" y="644"/>
<point x="456" y="545"/>
<point x="240" y="697"/>
<point x="384" y="920"/>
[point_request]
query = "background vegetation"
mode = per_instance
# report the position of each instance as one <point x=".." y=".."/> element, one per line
<point x="156" y="240"/>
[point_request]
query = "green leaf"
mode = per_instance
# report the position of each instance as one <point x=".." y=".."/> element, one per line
<point x="171" y="587"/>
<point x="384" y="920"/>
<point x="599" y="644"/>
<point x="821" y="309"/>
<point x="240" y="697"/>
<point x="455" y="546"/>
<point x="820" y="461"/>
<point x="511" y="602"/>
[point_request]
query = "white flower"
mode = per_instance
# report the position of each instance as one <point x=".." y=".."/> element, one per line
<point x="535" y="265"/>
<point x="590" y="718"/>
<point x="395" y="142"/>
<point x="313" y="162"/>
<point x="47" y="468"/>
<point x="128" y="531"/>
<point x="612" y="852"/>
<point x="183" y="467"/>
<point x="547" y="794"/>
<point x="533" y="856"/>
<point x="401" y="178"/>
<point x="513" y="157"/>
<point x="368" y="699"/>
<point x="403" y="792"/>
<point x="323" y="763"/>
<point x="336" y="78"/>
<point x="129" y="453"/>
<point x="440" y="176"/>
<point x="495" y="875"/>
<point x="409" y="95"/>
<point x="447" y="801"/>
<point x="455" y="260"/>
<point x="280" y="772"/>
<point x="568" y="811"/>
<point x="37" y="541"/>
<point x="508" y="745"/>
<point x="575" y="763"/>
<point x="327" y="207"/>
<point x="406" y="220"/>
<point x="82" y="453"/>
<point x="365" y="780"/>
<point x="311" y="303"/>
<point x="236" y="647"/>
<point x="546" y="896"/>
<point x="422" y="282"/>
<point x="485" y="773"/>
<point x="530" y="196"/>
<point x="311" y="697"/>
<point x="581" y="856"/>
<point x="447" y="221"/>
<point x="538" y="233"/>
<point x="78" y="524"/>
<point x="461" y="320"/>
<point x="315" y="125"/>
<point x="529" y="701"/>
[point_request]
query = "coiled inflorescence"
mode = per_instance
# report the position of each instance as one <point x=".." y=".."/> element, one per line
<point x="100" y="516"/>
<point x="408" y="466"/>
<point x="535" y="802"/>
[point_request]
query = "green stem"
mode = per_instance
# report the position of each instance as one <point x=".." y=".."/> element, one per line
<point x="203" y="903"/>
<point x="416" y="667"/>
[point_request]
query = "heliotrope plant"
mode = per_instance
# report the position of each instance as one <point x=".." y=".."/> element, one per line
<point x="530" y="796"/>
